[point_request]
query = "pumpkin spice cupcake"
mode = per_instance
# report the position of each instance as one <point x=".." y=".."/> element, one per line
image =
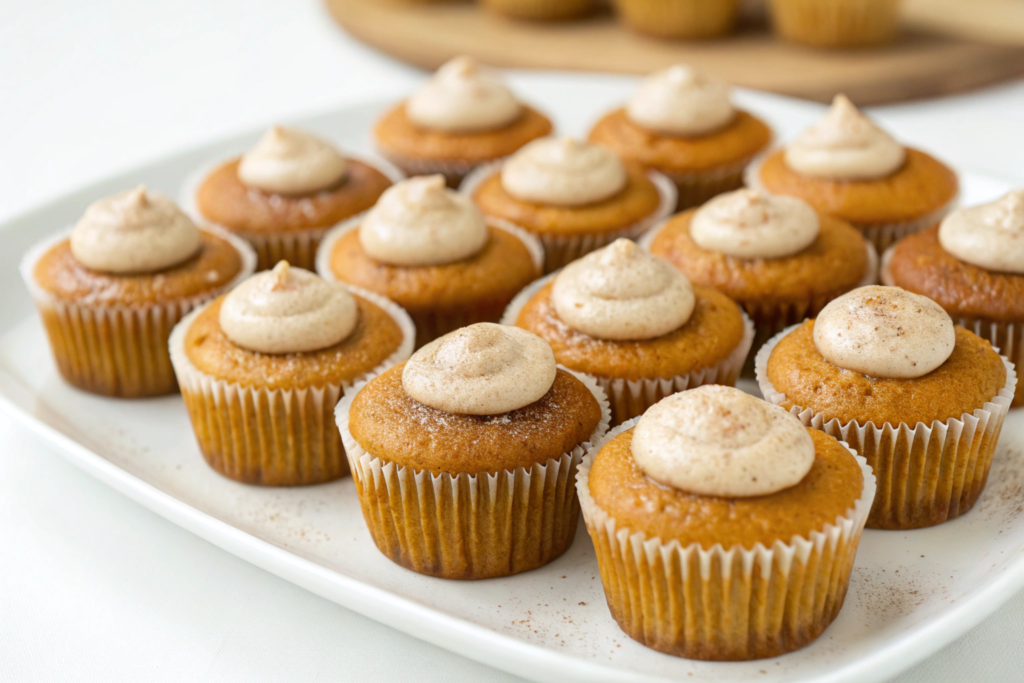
<point x="465" y="457"/>
<point x="973" y="266"/>
<point x="635" y="324"/>
<point x="262" y="368"/>
<point x="683" y="124"/>
<point x="711" y="512"/>
<point x="679" y="19"/>
<point x="430" y="250"/>
<point x="775" y="256"/>
<point x="836" y="23"/>
<point x="922" y="400"/>
<point x="111" y="290"/>
<point x="461" y="118"/>
<point x="283" y="194"/>
<point x="848" y="167"/>
<point x="575" y="197"/>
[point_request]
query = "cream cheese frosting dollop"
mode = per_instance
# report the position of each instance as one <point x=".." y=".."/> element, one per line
<point x="290" y="161"/>
<point x="420" y="222"/>
<point x="884" y="332"/>
<point x="754" y="224"/>
<point x="845" y="145"/>
<point x="622" y="292"/>
<point x="482" y="369"/>
<point x="461" y="97"/>
<point x="563" y="172"/>
<point x="719" y="441"/>
<point x="682" y="101"/>
<point x="990" y="236"/>
<point x="288" y="310"/>
<point x="136" y="231"/>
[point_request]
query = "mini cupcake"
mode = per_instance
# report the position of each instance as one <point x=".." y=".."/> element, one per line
<point x="461" y="118"/>
<point x="636" y="325"/>
<point x="724" y="529"/>
<point x="540" y="10"/>
<point x="851" y="169"/>
<point x="430" y="250"/>
<point x="285" y="193"/>
<point x="111" y="290"/>
<point x="836" y="23"/>
<point x="973" y="266"/>
<point x="464" y="457"/>
<point x="887" y="371"/>
<point x="775" y="256"/>
<point x="576" y="197"/>
<point x="262" y="368"/>
<point x="683" y="124"/>
<point x="686" y="19"/>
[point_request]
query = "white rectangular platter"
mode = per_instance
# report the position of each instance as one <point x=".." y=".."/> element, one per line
<point x="910" y="593"/>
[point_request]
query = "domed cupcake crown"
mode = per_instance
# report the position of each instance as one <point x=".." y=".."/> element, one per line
<point x="290" y="161"/>
<point x="461" y="97"/>
<point x="990" y="236"/>
<point x="754" y="224"/>
<point x="563" y="172"/>
<point x="680" y="100"/>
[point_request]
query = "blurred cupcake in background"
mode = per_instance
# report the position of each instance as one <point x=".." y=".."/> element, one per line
<point x="688" y="19"/>
<point x="683" y="124"/>
<point x="461" y="118"/>
<point x="540" y="10"/>
<point x="836" y="23"/>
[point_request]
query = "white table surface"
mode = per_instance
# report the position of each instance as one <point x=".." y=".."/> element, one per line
<point x="94" y="587"/>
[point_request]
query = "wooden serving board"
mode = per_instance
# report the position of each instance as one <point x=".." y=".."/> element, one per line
<point x="919" y="65"/>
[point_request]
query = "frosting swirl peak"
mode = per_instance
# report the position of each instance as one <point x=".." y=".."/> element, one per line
<point x="288" y="310"/>
<point x="482" y="369"/>
<point x="136" y="231"/>
<point x="290" y="161"/>
<point x="681" y="101"/>
<point x="990" y="236"/>
<point x="884" y="332"/>
<point x="845" y="145"/>
<point x="420" y="222"/>
<point x="719" y="441"/>
<point x="754" y="224"/>
<point x="622" y="292"/>
<point x="563" y="172"/>
<point x="462" y="98"/>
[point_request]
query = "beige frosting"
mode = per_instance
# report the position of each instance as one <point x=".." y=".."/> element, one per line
<point x="884" y="332"/>
<point x="990" y="236"/>
<point x="288" y="310"/>
<point x="622" y="292"/>
<point x="719" y="441"/>
<point x="463" y="98"/>
<point x="755" y="224"/>
<point x="681" y="101"/>
<point x="291" y="161"/>
<point x="563" y="172"/>
<point x="845" y="145"/>
<point x="420" y="222"/>
<point x="483" y="369"/>
<point x="136" y="231"/>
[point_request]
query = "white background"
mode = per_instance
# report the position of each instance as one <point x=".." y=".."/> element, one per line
<point x="95" y="587"/>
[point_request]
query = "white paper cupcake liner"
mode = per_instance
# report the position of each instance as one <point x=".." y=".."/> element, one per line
<point x="431" y="324"/>
<point x="927" y="474"/>
<point x="879" y="234"/>
<point x="297" y="247"/>
<point x="453" y="171"/>
<point x="117" y="350"/>
<point x="694" y="188"/>
<point x="560" y="250"/>
<point x="631" y="398"/>
<point x="275" y="437"/>
<point x="469" y="526"/>
<point x="723" y="603"/>
<point x="1008" y="337"/>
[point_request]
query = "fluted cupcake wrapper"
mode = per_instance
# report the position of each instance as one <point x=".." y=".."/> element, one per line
<point x="453" y="170"/>
<point x="1008" y="337"/>
<point x="927" y="474"/>
<point x="469" y="526"/>
<point x="679" y="18"/>
<point x="723" y="603"/>
<point x="836" y="23"/>
<point x="881" y="235"/>
<point x="560" y="250"/>
<point x="694" y="188"/>
<point x="297" y="247"/>
<point x="438" y="322"/>
<point x="274" y="437"/>
<point x="117" y="350"/>
<point x="631" y="398"/>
